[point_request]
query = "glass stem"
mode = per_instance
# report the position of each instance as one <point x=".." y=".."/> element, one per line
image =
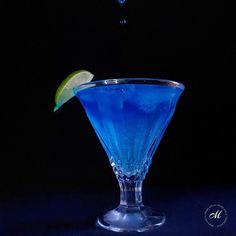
<point x="131" y="194"/>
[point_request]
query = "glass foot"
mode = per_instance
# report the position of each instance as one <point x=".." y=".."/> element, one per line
<point x="128" y="219"/>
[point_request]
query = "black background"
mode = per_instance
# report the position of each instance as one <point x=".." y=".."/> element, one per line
<point x="187" y="41"/>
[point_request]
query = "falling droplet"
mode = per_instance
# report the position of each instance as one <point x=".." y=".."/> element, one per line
<point x="121" y="2"/>
<point x="123" y="22"/>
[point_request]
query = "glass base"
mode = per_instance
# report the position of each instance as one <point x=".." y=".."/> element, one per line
<point x="128" y="219"/>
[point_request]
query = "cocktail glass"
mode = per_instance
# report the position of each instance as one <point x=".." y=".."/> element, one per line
<point x="129" y="117"/>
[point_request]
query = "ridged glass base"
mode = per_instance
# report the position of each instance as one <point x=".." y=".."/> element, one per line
<point x="131" y="219"/>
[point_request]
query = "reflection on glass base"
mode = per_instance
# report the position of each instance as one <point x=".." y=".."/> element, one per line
<point x="128" y="219"/>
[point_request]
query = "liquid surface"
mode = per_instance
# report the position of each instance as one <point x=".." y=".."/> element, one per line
<point x="129" y="120"/>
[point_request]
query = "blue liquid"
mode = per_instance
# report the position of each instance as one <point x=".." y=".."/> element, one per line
<point x="129" y="120"/>
<point x="121" y="2"/>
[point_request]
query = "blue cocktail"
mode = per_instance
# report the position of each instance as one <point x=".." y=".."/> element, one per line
<point x="129" y="117"/>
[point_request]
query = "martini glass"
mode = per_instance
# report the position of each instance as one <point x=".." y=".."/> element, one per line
<point x="129" y="117"/>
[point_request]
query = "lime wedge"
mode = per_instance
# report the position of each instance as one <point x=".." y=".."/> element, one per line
<point x="65" y="90"/>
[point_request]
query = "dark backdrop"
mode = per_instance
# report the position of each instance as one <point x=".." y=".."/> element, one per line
<point x="187" y="41"/>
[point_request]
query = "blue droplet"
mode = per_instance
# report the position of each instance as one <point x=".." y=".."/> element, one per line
<point x="121" y="1"/>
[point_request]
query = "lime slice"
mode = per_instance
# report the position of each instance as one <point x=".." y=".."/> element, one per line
<point x="65" y="90"/>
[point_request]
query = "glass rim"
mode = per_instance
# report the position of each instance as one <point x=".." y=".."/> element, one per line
<point x="117" y="81"/>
